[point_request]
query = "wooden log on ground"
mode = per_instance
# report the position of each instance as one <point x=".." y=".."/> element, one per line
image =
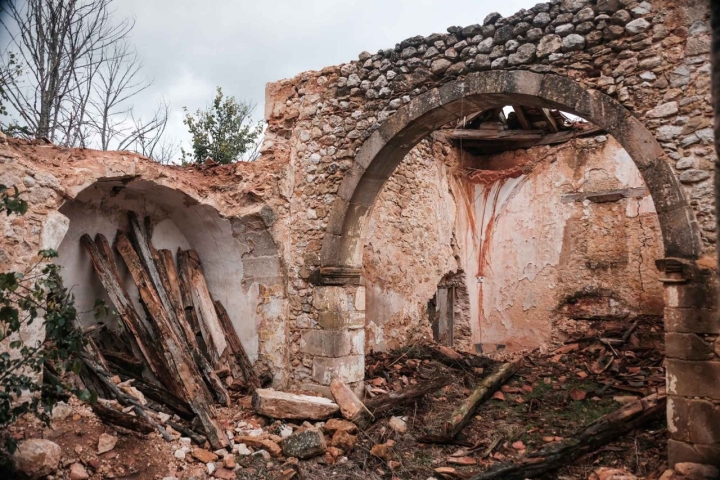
<point x="121" y="396"/>
<point x="114" y="417"/>
<point x="448" y="356"/>
<point x="204" y="306"/>
<point x="388" y="401"/>
<point x="170" y="283"/>
<point x="462" y="415"/>
<point x="351" y="407"/>
<point x="155" y="393"/>
<point x="237" y="352"/>
<point x="144" y="335"/>
<point x="183" y="368"/>
<point x="285" y="405"/>
<point x="600" y="432"/>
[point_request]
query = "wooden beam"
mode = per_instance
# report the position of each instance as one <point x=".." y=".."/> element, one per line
<point x="516" y="138"/>
<point x="169" y="277"/>
<point x="550" y="119"/>
<point x="184" y="371"/>
<point x="210" y="327"/>
<point x="144" y="334"/>
<point x="491" y="134"/>
<point x="522" y="118"/>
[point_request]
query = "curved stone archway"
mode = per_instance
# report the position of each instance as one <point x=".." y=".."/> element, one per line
<point x="381" y="153"/>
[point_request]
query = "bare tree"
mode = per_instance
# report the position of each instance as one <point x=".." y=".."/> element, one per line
<point x="78" y="75"/>
<point x="147" y="136"/>
<point x="58" y="43"/>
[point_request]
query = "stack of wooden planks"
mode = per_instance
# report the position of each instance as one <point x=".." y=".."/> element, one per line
<point x="185" y="340"/>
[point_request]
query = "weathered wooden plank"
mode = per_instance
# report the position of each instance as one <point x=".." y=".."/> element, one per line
<point x="169" y="279"/>
<point x="183" y="368"/>
<point x="144" y="335"/>
<point x="186" y="290"/>
<point x="238" y="354"/>
<point x="522" y="118"/>
<point x="210" y="327"/>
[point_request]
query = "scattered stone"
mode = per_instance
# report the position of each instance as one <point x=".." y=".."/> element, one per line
<point x="61" y="411"/>
<point x="265" y="443"/>
<point x="78" y="472"/>
<point x="605" y="473"/>
<point x="343" y="440"/>
<point x="284" y="405"/>
<point x="335" y="424"/>
<point x="225" y="474"/>
<point x="203" y="455"/>
<point x="241" y="449"/>
<point x="229" y="461"/>
<point x="37" y="457"/>
<point x="397" y="424"/>
<point x="697" y="471"/>
<point x="180" y="453"/>
<point x="106" y="443"/>
<point x="306" y="444"/>
<point x="381" y="450"/>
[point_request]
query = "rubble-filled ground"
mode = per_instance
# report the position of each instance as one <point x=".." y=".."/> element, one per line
<point x="550" y="398"/>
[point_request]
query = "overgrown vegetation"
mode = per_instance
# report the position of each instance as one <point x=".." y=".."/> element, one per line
<point x="223" y="132"/>
<point x="35" y="295"/>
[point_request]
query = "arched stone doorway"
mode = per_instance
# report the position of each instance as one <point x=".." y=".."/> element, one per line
<point x="688" y="292"/>
<point x="385" y="148"/>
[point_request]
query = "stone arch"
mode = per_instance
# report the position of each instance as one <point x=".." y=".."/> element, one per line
<point x="239" y="256"/>
<point x="380" y="154"/>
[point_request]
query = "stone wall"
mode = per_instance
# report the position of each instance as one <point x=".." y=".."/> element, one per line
<point x="234" y="217"/>
<point x="540" y="251"/>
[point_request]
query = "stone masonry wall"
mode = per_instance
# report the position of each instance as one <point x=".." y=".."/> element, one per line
<point x="548" y="256"/>
<point x="652" y="57"/>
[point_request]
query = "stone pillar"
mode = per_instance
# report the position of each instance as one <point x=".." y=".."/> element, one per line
<point x="692" y="348"/>
<point x="337" y="346"/>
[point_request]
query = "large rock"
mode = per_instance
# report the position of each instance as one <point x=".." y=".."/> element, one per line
<point x="664" y="110"/>
<point x="288" y="405"/>
<point x="37" y="457"/>
<point x="306" y="444"/>
<point x="525" y="54"/>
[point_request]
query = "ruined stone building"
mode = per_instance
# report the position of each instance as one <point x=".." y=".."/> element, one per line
<point x="489" y="186"/>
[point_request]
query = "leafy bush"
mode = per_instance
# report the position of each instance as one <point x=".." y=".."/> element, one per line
<point x="36" y="294"/>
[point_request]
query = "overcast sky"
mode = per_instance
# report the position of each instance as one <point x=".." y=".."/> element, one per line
<point x="191" y="46"/>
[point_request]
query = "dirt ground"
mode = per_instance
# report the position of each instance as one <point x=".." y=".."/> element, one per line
<point x="552" y="396"/>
